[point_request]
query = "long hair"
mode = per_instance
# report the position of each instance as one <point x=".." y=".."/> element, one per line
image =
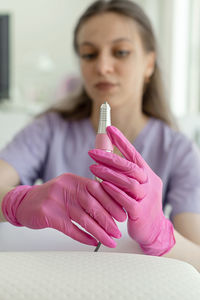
<point x="154" y="103"/>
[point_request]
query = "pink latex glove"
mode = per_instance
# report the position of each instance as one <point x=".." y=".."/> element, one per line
<point x="62" y="200"/>
<point x="132" y="183"/>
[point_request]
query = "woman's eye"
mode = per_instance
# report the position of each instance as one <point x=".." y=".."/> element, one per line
<point x="88" y="56"/>
<point x="121" y="53"/>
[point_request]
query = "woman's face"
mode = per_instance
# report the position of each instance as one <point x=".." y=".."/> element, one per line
<point x="113" y="63"/>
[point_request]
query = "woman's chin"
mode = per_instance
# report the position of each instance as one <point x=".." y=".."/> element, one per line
<point x="112" y="101"/>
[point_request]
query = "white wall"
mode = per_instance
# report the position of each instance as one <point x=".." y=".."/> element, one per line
<point x="41" y="44"/>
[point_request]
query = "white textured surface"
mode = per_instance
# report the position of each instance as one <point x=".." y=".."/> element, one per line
<point x="87" y="275"/>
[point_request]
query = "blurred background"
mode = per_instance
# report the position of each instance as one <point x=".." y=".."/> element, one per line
<point x="38" y="65"/>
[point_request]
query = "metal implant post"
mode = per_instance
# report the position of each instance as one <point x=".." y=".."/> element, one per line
<point x="104" y="119"/>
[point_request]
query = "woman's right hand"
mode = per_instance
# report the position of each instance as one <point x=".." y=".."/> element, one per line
<point x="62" y="200"/>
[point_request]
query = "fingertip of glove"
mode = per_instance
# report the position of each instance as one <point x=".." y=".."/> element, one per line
<point x="94" y="152"/>
<point x="122" y="217"/>
<point x="93" y="167"/>
<point x="108" y="185"/>
<point x="118" y="235"/>
<point x="111" y="128"/>
<point x="112" y="244"/>
<point x="91" y="152"/>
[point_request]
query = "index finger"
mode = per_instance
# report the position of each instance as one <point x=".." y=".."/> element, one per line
<point x="124" y="146"/>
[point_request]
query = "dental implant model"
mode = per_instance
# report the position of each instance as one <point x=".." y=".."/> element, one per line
<point x="102" y="140"/>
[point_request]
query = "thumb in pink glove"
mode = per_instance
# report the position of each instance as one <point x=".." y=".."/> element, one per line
<point x="132" y="183"/>
<point x="62" y="200"/>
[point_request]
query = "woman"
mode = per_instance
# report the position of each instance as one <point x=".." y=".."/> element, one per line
<point x="118" y="61"/>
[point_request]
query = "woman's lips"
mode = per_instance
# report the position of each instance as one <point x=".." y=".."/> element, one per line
<point x="104" y="86"/>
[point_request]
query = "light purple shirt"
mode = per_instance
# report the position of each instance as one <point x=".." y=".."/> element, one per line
<point x="50" y="146"/>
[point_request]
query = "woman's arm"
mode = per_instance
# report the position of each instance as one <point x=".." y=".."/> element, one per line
<point x="187" y="235"/>
<point x="9" y="178"/>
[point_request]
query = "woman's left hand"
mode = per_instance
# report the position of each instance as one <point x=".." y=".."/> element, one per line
<point x="133" y="184"/>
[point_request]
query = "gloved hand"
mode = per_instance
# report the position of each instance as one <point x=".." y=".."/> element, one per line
<point x="62" y="200"/>
<point x="132" y="183"/>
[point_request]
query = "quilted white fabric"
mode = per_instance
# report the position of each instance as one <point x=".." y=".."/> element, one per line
<point x="85" y="275"/>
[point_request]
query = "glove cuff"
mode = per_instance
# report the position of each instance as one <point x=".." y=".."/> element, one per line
<point x="11" y="202"/>
<point x="164" y="241"/>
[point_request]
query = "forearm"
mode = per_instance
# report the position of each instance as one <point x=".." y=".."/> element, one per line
<point x="3" y="192"/>
<point x="185" y="250"/>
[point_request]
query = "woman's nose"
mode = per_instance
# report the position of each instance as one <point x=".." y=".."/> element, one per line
<point x="104" y="64"/>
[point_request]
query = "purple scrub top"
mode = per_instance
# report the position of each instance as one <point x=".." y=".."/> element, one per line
<point x="50" y="146"/>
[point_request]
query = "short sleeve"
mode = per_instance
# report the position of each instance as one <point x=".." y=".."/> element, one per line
<point x="184" y="185"/>
<point x="28" y="149"/>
